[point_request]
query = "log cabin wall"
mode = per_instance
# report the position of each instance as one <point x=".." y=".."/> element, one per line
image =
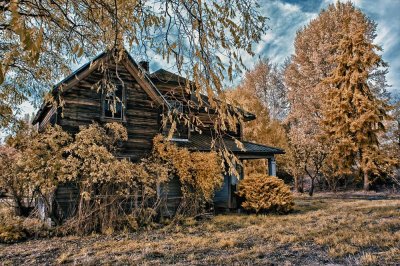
<point x="141" y="116"/>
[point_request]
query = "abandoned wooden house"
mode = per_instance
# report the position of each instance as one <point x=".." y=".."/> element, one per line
<point x="144" y="96"/>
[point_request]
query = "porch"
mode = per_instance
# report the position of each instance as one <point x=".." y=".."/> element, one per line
<point x="226" y="198"/>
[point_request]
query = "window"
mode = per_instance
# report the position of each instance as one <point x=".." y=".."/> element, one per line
<point x="177" y="105"/>
<point x="113" y="106"/>
<point x="181" y="132"/>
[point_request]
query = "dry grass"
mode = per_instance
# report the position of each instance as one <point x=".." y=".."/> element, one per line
<point x="320" y="231"/>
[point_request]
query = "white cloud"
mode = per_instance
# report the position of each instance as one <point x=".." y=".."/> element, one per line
<point x="287" y="8"/>
<point x="286" y="18"/>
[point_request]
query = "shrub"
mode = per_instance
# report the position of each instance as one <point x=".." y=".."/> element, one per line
<point x="200" y="174"/>
<point x="114" y="193"/>
<point x="15" y="228"/>
<point x="264" y="193"/>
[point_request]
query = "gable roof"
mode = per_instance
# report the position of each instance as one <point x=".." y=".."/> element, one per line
<point x="167" y="76"/>
<point x="145" y="80"/>
<point x="133" y="68"/>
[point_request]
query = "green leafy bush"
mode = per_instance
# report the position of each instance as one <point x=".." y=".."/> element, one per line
<point x="263" y="193"/>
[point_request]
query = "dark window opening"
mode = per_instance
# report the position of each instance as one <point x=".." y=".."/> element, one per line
<point x="176" y="105"/>
<point x="181" y="132"/>
<point x="113" y="103"/>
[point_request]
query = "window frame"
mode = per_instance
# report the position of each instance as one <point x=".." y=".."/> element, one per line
<point x="123" y="104"/>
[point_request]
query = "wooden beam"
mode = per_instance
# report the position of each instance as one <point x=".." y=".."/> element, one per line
<point x="143" y="83"/>
<point x="253" y="157"/>
<point x="77" y="78"/>
<point x="272" y="166"/>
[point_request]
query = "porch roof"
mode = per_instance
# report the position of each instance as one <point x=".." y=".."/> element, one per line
<point x="202" y="142"/>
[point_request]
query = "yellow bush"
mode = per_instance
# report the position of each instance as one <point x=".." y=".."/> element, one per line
<point x="200" y="173"/>
<point x="12" y="232"/>
<point x="14" y="228"/>
<point x="264" y="193"/>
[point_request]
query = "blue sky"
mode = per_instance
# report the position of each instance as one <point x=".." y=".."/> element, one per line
<point x="287" y="16"/>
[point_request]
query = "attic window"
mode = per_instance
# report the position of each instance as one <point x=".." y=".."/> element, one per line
<point x="176" y="105"/>
<point x="113" y="106"/>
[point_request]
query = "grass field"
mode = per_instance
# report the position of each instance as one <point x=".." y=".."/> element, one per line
<point x="322" y="230"/>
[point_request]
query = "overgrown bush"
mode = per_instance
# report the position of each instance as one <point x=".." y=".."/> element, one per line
<point x="114" y="193"/>
<point x="264" y="193"/>
<point x="200" y="174"/>
<point x="16" y="228"/>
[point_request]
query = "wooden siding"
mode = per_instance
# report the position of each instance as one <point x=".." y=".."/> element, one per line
<point x="221" y="197"/>
<point x="142" y="119"/>
<point x="83" y="106"/>
<point x="65" y="200"/>
<point x="173" y="195"/>
<point x="49" y="118"/>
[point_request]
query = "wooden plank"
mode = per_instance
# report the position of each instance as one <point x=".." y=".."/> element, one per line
<point x="144" y="84"/>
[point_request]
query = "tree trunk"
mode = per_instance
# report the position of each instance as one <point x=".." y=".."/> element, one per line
<point x="298" y="184"/>
<point x="366" y="181"/>
<point x="311" y="192"/>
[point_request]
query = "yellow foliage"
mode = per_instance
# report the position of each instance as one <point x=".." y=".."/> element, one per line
<point x="14" y="228"/>
<point x="264" y="193"/>
<point x="200" y="173"/>
<point x="255" y="95"/>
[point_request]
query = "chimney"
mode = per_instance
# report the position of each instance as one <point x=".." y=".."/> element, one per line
<point x="144" y="65"/>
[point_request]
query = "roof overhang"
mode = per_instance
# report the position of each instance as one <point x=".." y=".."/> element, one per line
<point x="250" y="150"/>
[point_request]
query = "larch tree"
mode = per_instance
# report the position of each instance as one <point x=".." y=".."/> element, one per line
<point x="354" y="115"/>
<point x="313" y="61"/>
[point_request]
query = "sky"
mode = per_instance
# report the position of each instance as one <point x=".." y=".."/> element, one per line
<point x="288" y="16"/>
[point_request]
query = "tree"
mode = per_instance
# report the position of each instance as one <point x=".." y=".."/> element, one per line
<point x="391" y="140"/>
<point x="32" y="164"/>
<point x="199" y="173"/>
<point x="256" y="94"/>
<point x="313" y="61"/>
<point x="267" y="82"/>
<point x="10" y="182"/>
<point x="354" y="115"/>
<point x="204" y="40"/>
<point x="41" y="163"/>
<point x="104" y="181"/>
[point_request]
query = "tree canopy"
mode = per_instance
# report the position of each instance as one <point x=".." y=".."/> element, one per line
<point x="337" y="92"/>
<point x="203" y="39"/>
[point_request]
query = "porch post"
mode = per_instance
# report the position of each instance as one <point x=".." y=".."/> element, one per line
<point x="242" y="173"/>
<point x="271" y="166"/>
